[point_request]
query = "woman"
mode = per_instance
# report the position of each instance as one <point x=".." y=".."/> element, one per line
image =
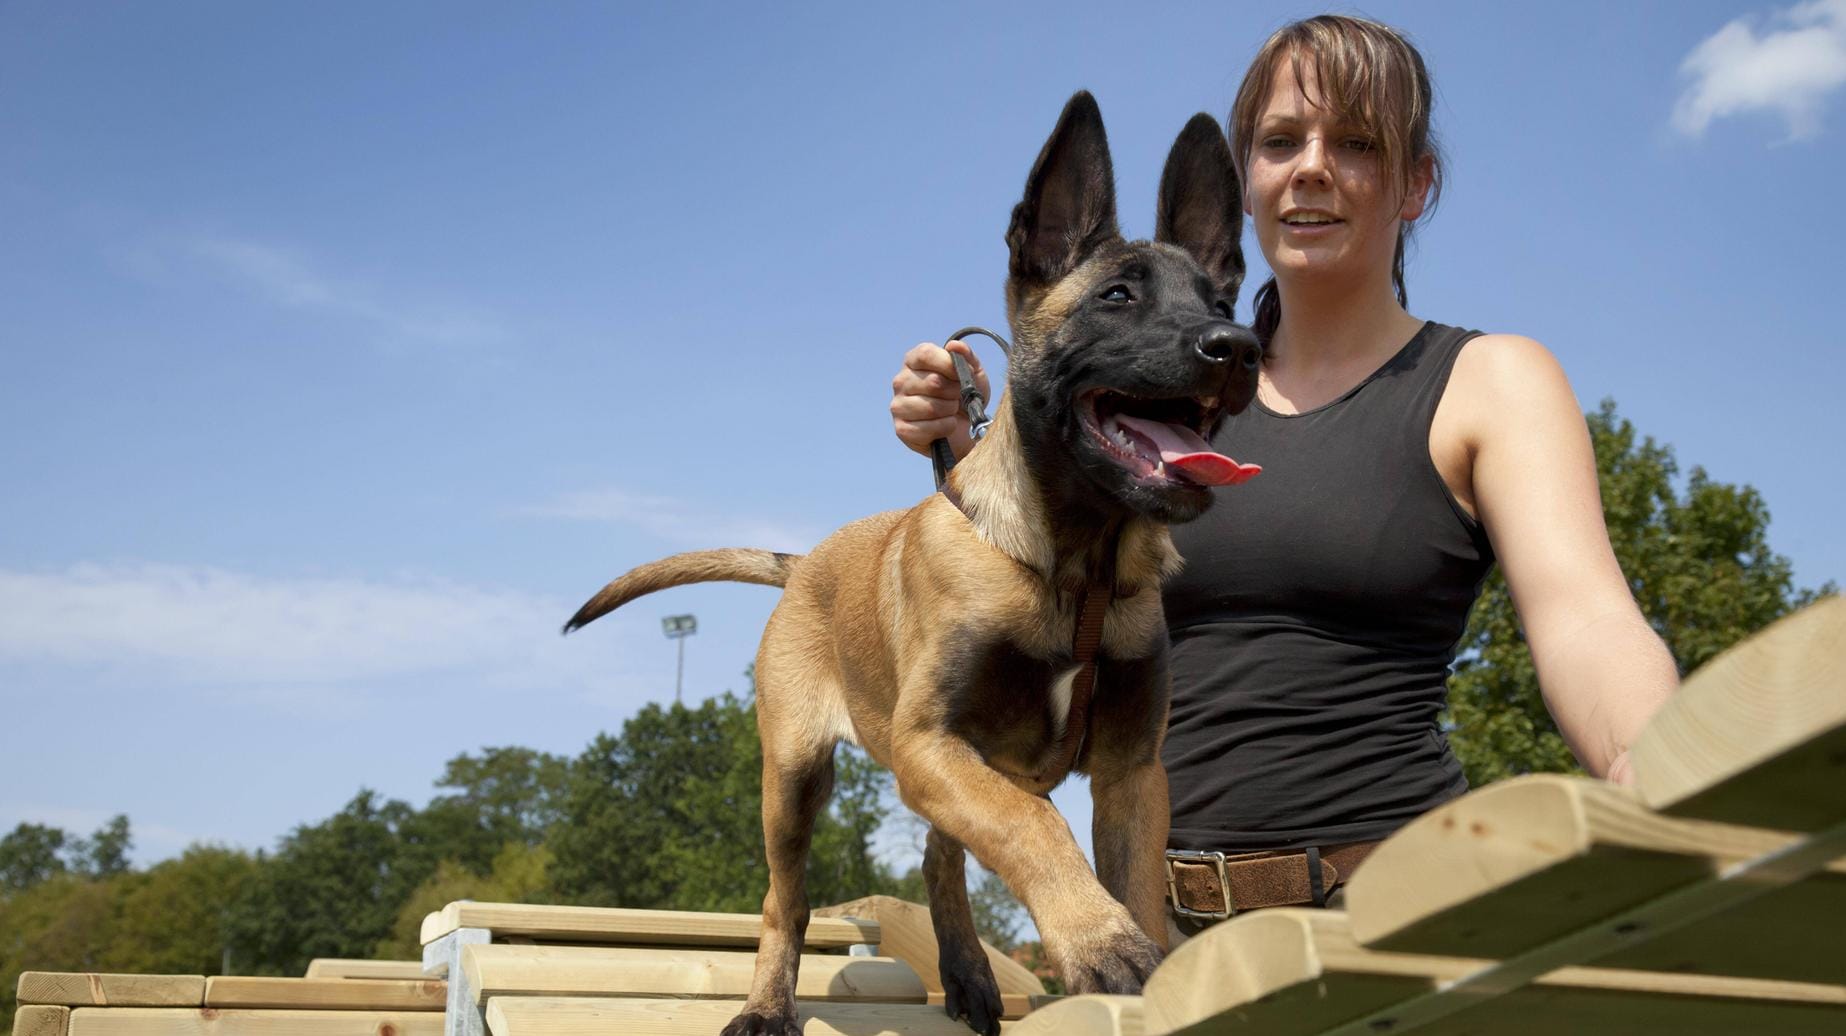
<point x="1321" y="603"/>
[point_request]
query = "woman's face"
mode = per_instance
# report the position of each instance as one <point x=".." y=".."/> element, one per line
<point x="1321" y="200"/>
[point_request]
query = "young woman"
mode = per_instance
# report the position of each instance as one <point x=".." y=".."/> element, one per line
<point x="1321" y="603"/>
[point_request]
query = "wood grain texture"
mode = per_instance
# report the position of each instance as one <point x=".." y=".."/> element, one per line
<point x="587" y="971"/>
<point x="206" y="1021"/>
<point x="1294" y="972"/>
<point x="327" y="994"/>
<point x="341" y="967"/>
<point x="1084" y="1016"/>
<point x="624" y="926"/>
<point x="42" y="1020"/>
<point x="1012" y="1005"/>
<point x="1518" y="864"/>
<point x="1758" y="735"/>
<point x="907" y="933"/>
<point x="87" y="989"/>
<point x="548" y="1016"/>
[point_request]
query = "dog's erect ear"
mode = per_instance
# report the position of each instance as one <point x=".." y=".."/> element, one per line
<point x="1201" y="203"/>
<point x="1069" y="204"/>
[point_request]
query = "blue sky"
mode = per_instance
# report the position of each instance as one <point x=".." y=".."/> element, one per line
<point x="345" y="348"/>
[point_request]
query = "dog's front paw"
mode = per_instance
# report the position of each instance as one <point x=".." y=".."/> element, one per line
<point x="759" y="1023"/>
<point x="970" y="994"/>
<point x="1119" y="963"/>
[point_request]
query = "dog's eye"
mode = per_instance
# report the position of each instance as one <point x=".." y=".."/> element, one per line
<point x="1117" y="293"/>
<point x="1225" y="311"/>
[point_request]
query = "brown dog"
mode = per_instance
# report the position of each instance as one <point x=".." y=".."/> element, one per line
<point x="941" y="638"/>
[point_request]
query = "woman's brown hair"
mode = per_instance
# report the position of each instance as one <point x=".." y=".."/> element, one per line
<point x="1369" y="75"/>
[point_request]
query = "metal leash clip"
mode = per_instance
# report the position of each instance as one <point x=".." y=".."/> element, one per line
<point x="973" y="404"/>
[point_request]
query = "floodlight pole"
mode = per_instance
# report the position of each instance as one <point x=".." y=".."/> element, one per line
<point x="679" y="675"/>
<point x="679" y="627"/>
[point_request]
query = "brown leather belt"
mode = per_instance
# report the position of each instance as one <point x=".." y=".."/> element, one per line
<point x="1211" y="886"/>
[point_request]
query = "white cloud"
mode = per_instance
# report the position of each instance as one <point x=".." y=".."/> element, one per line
<point x="210" y="630"/>
<point x="677" y="521"/>
<point x="286" y="278"/>
<point x="1788" y="69"/>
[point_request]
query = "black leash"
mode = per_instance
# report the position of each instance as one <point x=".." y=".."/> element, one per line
<point x="973" y="404"/>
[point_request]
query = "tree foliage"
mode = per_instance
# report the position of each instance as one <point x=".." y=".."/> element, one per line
<point x="669" y="814"/>
<point x="1697" y="560"/>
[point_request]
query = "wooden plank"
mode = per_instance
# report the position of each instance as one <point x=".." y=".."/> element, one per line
<point x="1293" y="972"/>
<point x="42" y="1020"/>
<point x="1758" y="735"/>
<point x="624" y="925"/>
<point x="553" y="1016"/>
<point x="583" y="971"/>
<point x="342" y="967"/>
<point x="1518" y="864"/>
<point x="207" y="1021"/>
<point x="1084" y="1016"/>
<point x="1012" y="1005"/>
<point x="907" y="933"/>
<point x="326" y="994"/>
<point x="95" y="989"/>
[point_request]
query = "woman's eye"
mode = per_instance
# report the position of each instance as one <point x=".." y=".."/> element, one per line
<point x="1118" y="293"/>
<point x="1360" y="144"/>
<point x="1225" y="311"/>
<point x="1278" y="141"/>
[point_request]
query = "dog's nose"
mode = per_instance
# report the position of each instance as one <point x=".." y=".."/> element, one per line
<point x="1225" y="342"/>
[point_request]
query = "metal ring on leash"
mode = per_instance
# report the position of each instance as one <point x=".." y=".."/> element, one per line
<point x="973" y="404"/>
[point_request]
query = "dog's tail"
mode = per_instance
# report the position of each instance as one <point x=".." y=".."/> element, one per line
<point x="730" y="565"/>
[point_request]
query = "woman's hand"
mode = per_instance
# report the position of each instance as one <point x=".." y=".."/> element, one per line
<point x="926" y="397"/>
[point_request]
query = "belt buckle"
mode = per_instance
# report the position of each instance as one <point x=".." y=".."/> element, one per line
<point x="1216" y="859"/>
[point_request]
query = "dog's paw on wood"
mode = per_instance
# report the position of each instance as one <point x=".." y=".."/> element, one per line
<point x="755" y="1023"/>
<point x="1119" y="965"/>
<point x="972" y="996"/>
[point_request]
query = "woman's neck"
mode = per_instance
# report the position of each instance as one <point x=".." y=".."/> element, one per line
<point x="1331" y="325"/>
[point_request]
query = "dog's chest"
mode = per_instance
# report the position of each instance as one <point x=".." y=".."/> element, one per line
<point x="1011" y="705"/>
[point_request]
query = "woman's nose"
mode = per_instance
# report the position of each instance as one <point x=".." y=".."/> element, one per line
<point x="1311" y="166"/>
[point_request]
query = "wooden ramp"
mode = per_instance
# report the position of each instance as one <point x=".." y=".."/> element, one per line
<point x="526" y="969"/>
<point x="82" y="1004"/>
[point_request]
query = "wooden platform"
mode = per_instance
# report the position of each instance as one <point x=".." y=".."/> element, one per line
<point x="626" y="927"/>
<point x="1707" y="901"/>
<point x="86" y="1004"/>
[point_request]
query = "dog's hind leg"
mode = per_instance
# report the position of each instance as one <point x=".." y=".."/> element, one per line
<point x="970" y="993"/>
<point x="797" y="778"/>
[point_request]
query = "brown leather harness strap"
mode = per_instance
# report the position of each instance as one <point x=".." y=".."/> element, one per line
<point x="1085" y="643"/>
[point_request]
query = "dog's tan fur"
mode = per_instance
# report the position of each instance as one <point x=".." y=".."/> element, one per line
<point x="869" y="641"/>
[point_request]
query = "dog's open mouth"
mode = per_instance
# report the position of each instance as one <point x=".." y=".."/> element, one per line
<point x="1159" y="439"/>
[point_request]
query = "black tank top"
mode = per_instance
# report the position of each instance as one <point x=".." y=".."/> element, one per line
<point x="1316" y="617"/>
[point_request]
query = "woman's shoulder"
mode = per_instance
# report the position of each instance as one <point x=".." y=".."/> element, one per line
<point x="1502" y="382"/>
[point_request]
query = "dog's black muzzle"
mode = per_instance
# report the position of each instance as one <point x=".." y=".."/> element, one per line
<point x="1224" y="342"/>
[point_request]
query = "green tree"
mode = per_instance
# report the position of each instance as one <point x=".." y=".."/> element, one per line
<point x="669" y="815"/>
<point x="29" y="856"/>
<point x="518" y="876"/>
<point x="175" y="918"/>
<point x="63" y="923"/>
<point x="331" y="889"/>
<point x="1699" y="565"/>
<point x="104" y="853"/>
<point x="502" y="796"/>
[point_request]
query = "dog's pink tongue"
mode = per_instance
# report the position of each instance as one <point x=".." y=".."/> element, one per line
<point x="1183" y="449"/>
